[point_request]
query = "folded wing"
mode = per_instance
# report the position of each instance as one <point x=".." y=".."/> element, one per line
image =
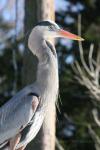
<point x="16" y="114"/>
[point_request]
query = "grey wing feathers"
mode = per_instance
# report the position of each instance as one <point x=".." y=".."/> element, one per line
<point x="16" y="113"/>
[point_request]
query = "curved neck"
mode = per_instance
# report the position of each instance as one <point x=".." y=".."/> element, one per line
<point x="47" y="71"/>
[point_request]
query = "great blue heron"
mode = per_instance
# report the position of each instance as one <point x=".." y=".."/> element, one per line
<point x="22" y="116"/>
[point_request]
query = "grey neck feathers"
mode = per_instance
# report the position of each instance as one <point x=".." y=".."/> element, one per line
<point x="47" y="72"/>
<point x="47" y="75"/>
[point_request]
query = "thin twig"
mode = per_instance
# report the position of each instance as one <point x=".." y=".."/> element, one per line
<point x="90" y="57"/>
<point x="95" y="138"/>
<point x="95" y="115"/>
<point x="81" y="48"/>
<point x="97" y="68"/>
<point x="59" y="146"/>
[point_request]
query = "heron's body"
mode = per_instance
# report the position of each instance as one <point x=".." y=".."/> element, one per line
<point x="47" y="90"/>
<point x="22" y="116"/>
<point x="45" y="86"/>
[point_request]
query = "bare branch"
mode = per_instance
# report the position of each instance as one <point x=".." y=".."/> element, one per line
<point x="90" y="57"/>
<point x="88" y="74"/>
<point x="95" y="115"/>
<point x="97" y="68"/>
<point x="59" y="146"/>
<point x="81" y="48"/>
<point x="95" y="138"/>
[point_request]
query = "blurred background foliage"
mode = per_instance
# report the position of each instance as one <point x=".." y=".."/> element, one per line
<point x="74" y="101"/>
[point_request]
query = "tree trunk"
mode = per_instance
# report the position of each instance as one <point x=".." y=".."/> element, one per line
<point x="35" y="11"/>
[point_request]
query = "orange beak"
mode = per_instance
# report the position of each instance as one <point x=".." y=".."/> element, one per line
<point x="66" y="34"/>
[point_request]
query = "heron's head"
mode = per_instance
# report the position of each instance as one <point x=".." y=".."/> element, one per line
<point x="49" y="29"/>
<point x="44" y="31"/>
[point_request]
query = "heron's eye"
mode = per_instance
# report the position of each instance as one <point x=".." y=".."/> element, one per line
<point x="51" y="28"/>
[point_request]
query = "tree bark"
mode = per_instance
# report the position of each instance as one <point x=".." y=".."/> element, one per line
<point x="35" y="11"/>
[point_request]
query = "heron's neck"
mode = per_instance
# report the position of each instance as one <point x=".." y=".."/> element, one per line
<point x="47" y="75"/>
